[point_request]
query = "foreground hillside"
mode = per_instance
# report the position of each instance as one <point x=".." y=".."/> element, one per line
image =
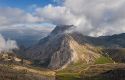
<point x="104" y="72"/>
<point x="12" y="73"/>
<point x="76" y="72"/>
<point x="18" y="72"/>
<point x="104" y="68"/>
<point x="13" y="67"/>
<point x="94" y="72"/>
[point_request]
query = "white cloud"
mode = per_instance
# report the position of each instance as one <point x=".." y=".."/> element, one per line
<point x="55" y="14"/>
<point x="92" y="17"/>
<point x="61" y="15"/>
<point x="37" y="27"/>
<point x="11" y="16"/>
<point x="7" y="45"/>
<point x="103" y="17"/>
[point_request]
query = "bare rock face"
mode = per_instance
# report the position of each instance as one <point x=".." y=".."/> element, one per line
<point x="85" y="53"/>
<point x="59" y="49"/>
<point x="62" y="48"/>
<point x="61" y="57"/>
<point x="53" y="51"/>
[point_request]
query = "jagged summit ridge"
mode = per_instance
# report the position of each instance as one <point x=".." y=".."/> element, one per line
<point x="60" y="48"/>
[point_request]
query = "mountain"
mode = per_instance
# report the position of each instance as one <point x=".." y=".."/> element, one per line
<point x="62" y="48"/>
<point x="114" y="41"/>
<point x="24" y="37"/>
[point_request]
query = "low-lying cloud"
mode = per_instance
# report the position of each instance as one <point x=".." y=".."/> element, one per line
<point x="7" y="45"/>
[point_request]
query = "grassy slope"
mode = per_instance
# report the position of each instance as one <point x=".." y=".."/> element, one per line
<point x="90" y="72"/>
<point x="94" y="72"/>
<point x="103" y="60"/>
<point x="72" y="72"/>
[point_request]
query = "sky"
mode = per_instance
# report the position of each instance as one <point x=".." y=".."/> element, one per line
<point x="25" y="3"/>
<point x="30" y="20"/>
<point x="15" y="26"/>
<point x="91" y="17"/>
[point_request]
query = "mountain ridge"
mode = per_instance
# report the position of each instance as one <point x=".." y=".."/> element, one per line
<point x="62" y="48"/>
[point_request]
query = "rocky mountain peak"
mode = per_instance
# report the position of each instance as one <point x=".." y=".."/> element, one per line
<point x="61" y="29"/>
<point x="60" y="49"/>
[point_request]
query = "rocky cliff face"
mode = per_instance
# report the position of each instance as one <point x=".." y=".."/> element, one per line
<point x="53" y="51"/>
<point x="62" y="48"/>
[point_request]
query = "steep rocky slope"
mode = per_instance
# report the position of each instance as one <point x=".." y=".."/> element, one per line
<point x="62" y="48"/>
<point x="52" y="51"/>
<point x="59" y="49"/>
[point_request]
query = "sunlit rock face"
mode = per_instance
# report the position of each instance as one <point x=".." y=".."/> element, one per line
<point x="64" y="46"/>
<point x="59" y="49"/>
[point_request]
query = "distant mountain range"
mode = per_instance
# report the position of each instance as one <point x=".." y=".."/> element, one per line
<point x="24" y="37"/>
<point x="61" y="48"/>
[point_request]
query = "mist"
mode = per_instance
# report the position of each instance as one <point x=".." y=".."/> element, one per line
<point x="7" y="45"/>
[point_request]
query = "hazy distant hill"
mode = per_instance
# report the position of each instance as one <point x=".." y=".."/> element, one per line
<point x="24" y="37"/>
